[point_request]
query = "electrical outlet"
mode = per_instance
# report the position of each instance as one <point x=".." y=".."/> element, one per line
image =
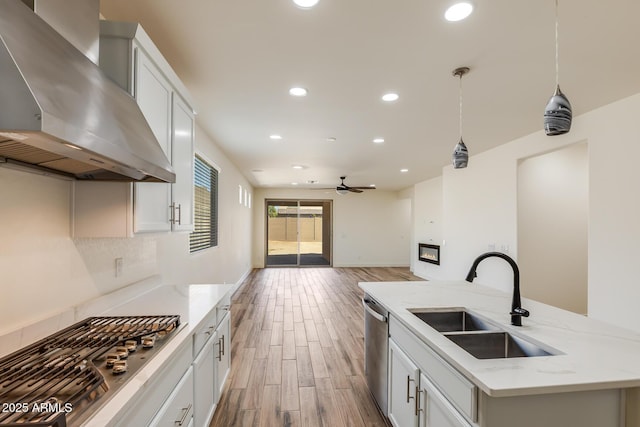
<point x="119" y="267"/>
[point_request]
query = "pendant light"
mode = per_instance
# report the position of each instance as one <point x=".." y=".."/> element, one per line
<point x="557" y="113"/>
<point x="460" y="153"/>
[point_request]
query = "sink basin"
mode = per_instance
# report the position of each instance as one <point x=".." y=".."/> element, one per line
<point x="497" y="345"/>
<point x="480" y="337"/>
<point x="454" y="321"/>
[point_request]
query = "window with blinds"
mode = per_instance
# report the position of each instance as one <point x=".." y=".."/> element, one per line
<point x="205" y="209"/>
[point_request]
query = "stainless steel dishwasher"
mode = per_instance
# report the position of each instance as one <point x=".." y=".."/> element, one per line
<point x="376" y="339"/>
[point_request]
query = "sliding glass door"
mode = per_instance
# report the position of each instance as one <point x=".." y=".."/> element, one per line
<point x="298" y="233"/>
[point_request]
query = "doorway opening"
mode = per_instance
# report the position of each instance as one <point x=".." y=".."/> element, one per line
<point x="298" y="233"/>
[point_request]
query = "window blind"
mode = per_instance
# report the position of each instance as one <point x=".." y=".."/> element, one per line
<point x="205" y="234"/>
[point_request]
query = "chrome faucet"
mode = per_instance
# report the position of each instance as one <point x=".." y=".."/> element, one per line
<point x="517" y="312"/>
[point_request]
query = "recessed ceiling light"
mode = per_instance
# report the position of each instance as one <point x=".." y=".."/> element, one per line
<point x="332" y="139"/>
<point x="404" y="170"/>
<point x="458" y="11"/>
<point x="298" y="91"/>
<point x="275" y="137"/>
<point x="297" y="167"/>
<point x="306" y="3"/>
<point x="294" y="183"/>
<point x="372" y="185"/>
<point x="378" y="140"/>
<point x="390" y="97"/>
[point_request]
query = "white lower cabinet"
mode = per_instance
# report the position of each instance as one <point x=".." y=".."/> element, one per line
<point x="173" y="383"/>
<point x="212" y="364"/>
<point x="224" y="353"/>
<point x="205" y="382"/>
<point x="413" y="399"/>
<point x="434" y="409"/>
<point x="403" y="383"/>
<point x="177" y="410"/>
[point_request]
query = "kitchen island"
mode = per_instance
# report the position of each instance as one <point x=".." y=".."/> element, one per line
<point x="583" y="381"/>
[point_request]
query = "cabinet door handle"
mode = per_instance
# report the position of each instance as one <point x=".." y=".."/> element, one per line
<point x="418" y="409"/>
<point x="179" y="209"/>
<point x="172" y="213"/>
<point x="173" y="208"/>
<point x="219" y="351"/>
<point x="223" y="345"/>
<point x="185" y="412"/>
<point x="409" y="381"/>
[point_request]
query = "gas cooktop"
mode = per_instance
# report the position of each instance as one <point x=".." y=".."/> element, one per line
<point x="62" y="379"/>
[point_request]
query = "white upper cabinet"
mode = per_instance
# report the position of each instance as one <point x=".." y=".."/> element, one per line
<point x="182" y="190"/>
<point x="152" y="201"/>
<point x="129" y="58"/>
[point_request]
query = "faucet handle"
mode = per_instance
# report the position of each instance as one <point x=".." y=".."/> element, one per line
<point x="519" y="311"/>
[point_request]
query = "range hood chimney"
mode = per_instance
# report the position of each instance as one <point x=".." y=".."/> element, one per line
<point x="60" y="113"/>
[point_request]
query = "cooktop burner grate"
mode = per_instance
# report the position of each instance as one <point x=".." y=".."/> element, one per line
<point x="53" y="381"/>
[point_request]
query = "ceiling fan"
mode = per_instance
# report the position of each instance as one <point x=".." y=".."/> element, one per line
<point x="344" y="188"/>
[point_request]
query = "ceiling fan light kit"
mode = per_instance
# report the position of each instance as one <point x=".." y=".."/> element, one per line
<point x="460" y="155"/>
<point x="557" y="113"/>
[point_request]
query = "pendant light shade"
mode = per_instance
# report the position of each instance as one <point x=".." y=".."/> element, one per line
<point x="557" y="113"/>
<point x="460" y="155"/>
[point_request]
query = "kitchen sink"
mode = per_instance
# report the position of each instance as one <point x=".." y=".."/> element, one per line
<point x="480" y="337"/>
<point x="497" y="345"/>
<point x="457" y="320"/>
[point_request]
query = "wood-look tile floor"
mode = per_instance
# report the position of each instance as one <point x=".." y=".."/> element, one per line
<point x="297" y="353"/>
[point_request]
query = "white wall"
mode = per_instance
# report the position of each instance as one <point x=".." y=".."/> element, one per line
<point x="369" y="229"/>
<point x="44" y="271"/>
<point x="553" y="209"/>
<point x="480" y="208"/>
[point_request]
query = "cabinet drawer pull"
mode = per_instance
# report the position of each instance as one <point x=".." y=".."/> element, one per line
<point x="185" y="413"/>
<point x="418" y="409"/>
<point x="409" y="381"/>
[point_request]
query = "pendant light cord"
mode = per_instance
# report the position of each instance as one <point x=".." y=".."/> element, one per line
<point x="460" y="93"/>
<point x="557" y="66"/>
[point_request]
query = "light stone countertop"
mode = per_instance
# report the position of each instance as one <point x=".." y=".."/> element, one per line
<point x="595" y="355"/>
<point x="191" y="302"/>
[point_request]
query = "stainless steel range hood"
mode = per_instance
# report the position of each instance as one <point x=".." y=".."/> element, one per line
<point x="59" y="112"/>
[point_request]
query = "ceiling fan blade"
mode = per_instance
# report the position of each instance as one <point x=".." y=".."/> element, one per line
<point x="354" y="189"/>
<point x="364" y="188"/>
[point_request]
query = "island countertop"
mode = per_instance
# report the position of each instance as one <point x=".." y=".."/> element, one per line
<point x="593" y="355"/>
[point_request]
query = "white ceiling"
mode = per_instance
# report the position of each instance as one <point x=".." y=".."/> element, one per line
<point x="238" y="58"/>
